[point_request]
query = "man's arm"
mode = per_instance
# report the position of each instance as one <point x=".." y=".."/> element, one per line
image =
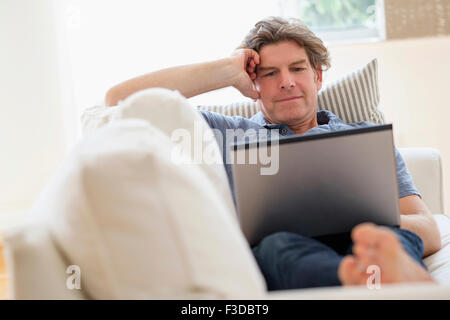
<point x="191" y="80"/>
<point x="416" y="217"/>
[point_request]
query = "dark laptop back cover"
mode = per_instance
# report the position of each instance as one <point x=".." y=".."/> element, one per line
<point x="325" y="184"/>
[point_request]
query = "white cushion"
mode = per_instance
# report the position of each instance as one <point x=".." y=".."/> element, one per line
<point x="170" y="112"/>
<point x="438" y="264"/>
<point x="353" y="98"/>
<point x="140" y="226"/>
<point x="97" y="116"/>
<point x="425" y="166"/>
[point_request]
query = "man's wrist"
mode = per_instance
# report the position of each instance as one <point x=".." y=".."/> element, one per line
<point x="225" y="73"/>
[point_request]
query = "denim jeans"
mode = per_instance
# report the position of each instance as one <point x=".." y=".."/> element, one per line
<point x="291" y="261"/>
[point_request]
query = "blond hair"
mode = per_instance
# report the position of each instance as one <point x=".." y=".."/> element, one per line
<point x="272" y="30"/>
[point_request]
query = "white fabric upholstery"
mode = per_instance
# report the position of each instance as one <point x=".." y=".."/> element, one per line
<point x="36" y="268"/>
<point x="95" y="117"/>
<point x="438" y="264"/>
<point x="425" y="166"/>
<point x="30" y="252"/>
<point x="401" y="291"/>
<point x="136" y="224"/>
<point x="171" y="113"/>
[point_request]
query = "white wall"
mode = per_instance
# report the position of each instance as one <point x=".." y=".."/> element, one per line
<point x="414" y="90"/>
<point x="111" y="41"/>
<point x="32" y="140"/>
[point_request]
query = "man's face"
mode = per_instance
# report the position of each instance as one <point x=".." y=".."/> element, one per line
<point x="287" y="83"/>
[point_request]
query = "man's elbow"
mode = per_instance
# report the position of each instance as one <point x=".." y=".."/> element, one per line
<point x="437" y="238"/>
<point x="433" y="246"/>
<point x="111" y="97"/>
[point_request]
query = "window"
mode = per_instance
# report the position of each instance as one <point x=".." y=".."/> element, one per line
<point x="339" y="20"/>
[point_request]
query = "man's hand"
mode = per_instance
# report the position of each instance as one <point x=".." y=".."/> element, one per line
<point x="245" y="62"/>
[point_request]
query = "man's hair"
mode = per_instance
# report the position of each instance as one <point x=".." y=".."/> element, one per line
<point x="272" y="30"/>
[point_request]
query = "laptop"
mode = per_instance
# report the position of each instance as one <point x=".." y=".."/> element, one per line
<point x="323" y="184"/>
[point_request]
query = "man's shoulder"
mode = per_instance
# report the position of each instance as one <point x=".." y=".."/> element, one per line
<point x="340" y="124"/>
<point x="222" y="122"/>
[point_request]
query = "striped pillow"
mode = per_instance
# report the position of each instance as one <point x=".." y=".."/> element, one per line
<point x="353" y="98"/>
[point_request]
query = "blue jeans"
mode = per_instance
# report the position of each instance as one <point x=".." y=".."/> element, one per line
<point x="291" y="261"/>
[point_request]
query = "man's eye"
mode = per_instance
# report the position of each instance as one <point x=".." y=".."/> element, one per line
<point x="269" y="74"/>
<point x="299" y="69"/>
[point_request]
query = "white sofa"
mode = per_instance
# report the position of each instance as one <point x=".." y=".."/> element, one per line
<point x="37" y="254"/>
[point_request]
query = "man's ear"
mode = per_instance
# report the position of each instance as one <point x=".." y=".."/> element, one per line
<point x="256" y="87"/>
<point x="318" y="78"/>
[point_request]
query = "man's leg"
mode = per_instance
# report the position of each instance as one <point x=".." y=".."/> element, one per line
<point x="291" y="261"/>
<point x="411" y="243"/>
<point x="397" y="252"/>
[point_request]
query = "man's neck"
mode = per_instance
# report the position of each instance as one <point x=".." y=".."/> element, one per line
<point x="302" y="127"/>
<point x="299" y="127"/>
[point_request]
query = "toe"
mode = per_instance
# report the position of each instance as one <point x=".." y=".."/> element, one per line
<point x="364" y="233"/>
<point x="349" y="271"/>
<point x="387" y="239"/>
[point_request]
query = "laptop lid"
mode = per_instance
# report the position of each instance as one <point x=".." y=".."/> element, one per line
<point x="323" y="184"/>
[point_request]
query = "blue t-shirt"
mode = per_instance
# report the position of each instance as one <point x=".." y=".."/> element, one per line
<point x="328" y="122"/>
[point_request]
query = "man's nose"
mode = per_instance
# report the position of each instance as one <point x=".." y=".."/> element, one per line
<point x="287" y="81"/>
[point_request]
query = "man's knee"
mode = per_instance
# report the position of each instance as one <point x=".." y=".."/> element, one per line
<point x="407" y="237"/>
<point x="411" y="243"/>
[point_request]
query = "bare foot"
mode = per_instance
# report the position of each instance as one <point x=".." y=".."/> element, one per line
<point x="379" y="247"/>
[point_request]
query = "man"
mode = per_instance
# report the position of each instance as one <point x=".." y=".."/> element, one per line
<point x="280" y="66"/>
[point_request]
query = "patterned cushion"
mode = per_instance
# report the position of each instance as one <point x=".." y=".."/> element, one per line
<point x="353" y="98"/>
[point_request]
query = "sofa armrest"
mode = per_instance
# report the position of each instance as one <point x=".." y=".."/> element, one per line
<point x="35" y="267"/>
<point x="425" y="166"/>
